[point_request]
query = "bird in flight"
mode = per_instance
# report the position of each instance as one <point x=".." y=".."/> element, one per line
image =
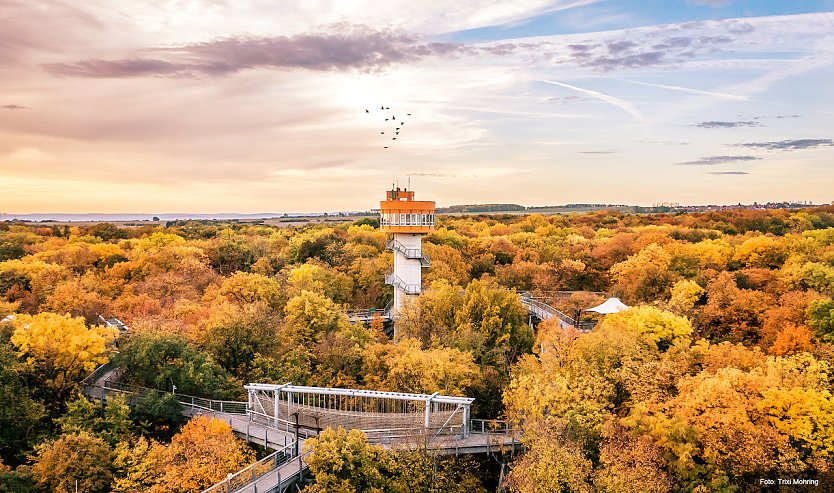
<point x="393" y="119"/>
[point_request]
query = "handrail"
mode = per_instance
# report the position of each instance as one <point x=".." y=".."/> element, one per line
<point x="214" y="405"/>
<point x="254" y="471"/>
<point x="409" y="253"/>
<point x="97" y="373"/>
<point x="545" y="308"/>
<point x="491" y="426"/>
<point x="280" y="424"/>
<point x="395" y="281"/>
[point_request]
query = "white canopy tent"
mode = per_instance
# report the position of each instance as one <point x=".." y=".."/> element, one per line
<point x="611" y="305"/>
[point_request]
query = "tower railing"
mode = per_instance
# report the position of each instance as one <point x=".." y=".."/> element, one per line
<point x="398" y="283"/>
<point x="410" y="253"/>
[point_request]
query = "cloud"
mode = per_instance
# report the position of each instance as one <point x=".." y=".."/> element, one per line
<point x="713" y="160"/>
<point x="598" y="152"/>
<point x="716" y="124"/>
<point x="619" y="103"/>
<point x="12" y="107"/>
<point x="563" y="99"/>
<point x="789" y="145"/>
<point x="136" y="67"/>
<point x="687" y="89"/>
<point x="635" y="49"/>
<point x="348" y="48"/>
<point x="727" y="173"/>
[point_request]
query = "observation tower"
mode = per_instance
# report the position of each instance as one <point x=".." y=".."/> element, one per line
<point x="408" y="220"/>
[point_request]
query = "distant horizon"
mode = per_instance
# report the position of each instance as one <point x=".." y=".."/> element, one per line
<point x="173" y="216"/>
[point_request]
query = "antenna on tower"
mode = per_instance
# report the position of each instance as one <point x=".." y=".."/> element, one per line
<point x="409" y="182"/>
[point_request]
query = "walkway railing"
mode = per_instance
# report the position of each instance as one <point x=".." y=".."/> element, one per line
<point x="491" y="426"/>
<point x="546" y="312"/>
<point x="368" y="314"/>
<point x="259" y="469"/>
<point x="99" y="372"/>
<point x="194" y="402"/>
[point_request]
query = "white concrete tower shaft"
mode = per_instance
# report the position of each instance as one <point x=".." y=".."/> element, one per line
<point x="408" y="253"/>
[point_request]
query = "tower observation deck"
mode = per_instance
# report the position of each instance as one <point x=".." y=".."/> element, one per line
<point x="408" y="220"/>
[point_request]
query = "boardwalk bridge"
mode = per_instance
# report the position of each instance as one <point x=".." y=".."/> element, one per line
<point x="282" y="417"/>
<point x="537" y="308"/>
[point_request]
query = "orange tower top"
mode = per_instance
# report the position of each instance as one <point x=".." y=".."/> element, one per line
<point x="400" y="213"/>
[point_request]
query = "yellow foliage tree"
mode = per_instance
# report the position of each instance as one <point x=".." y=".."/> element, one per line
<point x="761" y="251"/>
<point x="656" y="326"/>
<point x="344" y="462"/>
<point x="685" y="294"/>
<point x="200" y="455"/>
<point x="243" y="287"/>
<point x="320" y="279"/>
<point x="60" y="349"/>
<point x="77" y="457"/>
<point x="645" y="275"/>
<point x="406" y="367"/>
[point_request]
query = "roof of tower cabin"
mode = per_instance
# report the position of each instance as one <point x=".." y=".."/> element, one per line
<point x="611" y="305"/>
<point x="403" y="200"/>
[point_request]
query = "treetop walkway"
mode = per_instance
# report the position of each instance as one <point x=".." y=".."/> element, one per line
<point x="282" y="417"/>
<point x="535" y="306"/>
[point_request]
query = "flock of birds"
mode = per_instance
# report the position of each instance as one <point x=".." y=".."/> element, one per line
<point x="394" y="128"/>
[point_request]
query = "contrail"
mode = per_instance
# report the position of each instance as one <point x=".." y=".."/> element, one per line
<point x="686" y="89"/>
<point x="619" y="103"/>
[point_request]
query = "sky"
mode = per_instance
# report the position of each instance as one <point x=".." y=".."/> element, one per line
<point x="249" y="106"/>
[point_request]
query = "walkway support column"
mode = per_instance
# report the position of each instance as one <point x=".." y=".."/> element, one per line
<point x="428" y="411"/>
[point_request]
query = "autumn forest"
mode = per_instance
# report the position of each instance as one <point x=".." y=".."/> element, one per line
<point x="721" y="373"/>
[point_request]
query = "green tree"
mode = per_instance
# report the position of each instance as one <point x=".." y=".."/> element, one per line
<point x="344" y="462"/>
<point x="234" y="336"/>
<point x="159" y="361"/>
<point x="106" y="231"/>
<point x="821" y="318"/>
<point x="20" y="414"/>
<point x="111" y="423"/>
